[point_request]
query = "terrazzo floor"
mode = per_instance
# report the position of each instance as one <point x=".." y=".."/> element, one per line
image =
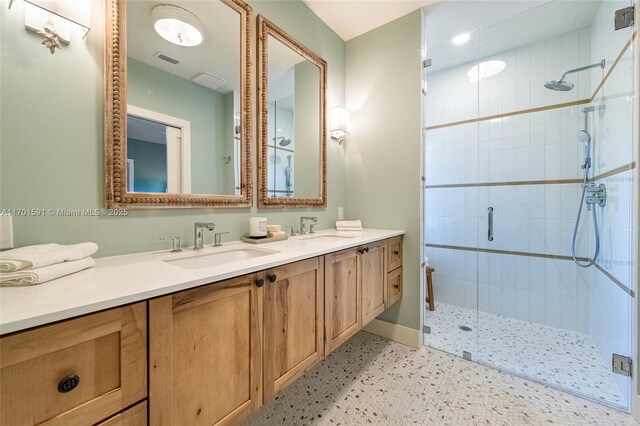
<point x="551" y="355"/>
<point x="371" y="380"/>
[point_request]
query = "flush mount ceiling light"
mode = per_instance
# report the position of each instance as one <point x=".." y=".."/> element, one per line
<point x="485" y="69"/>
<point x="177" y="25"/>
<point x="461" y="38"/>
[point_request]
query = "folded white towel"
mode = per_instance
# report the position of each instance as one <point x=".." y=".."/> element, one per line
<point x="44" y="274"/>
<point x="41" y="255"/>
<point x="349" y="229"/>
<point x="349" y="224"/>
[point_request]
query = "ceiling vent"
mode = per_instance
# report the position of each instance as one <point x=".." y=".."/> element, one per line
<point x="209" y="80"/>
<point x="166" y="58"/>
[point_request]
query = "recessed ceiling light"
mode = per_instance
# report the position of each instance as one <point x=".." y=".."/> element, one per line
<point x="461" y="38"/>
<point x="485" y="69"/>
<point x="177" y="25"/>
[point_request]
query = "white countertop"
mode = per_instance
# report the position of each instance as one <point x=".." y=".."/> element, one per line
<point x="120" y="280"/>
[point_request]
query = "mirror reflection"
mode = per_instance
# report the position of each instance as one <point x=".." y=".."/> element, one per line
<point x="183" y="98"/>
<point x="293" y="124"/>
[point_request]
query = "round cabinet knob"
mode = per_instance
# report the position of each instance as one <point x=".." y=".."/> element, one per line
<point x="68" y="383"/>
<point x="361" y="251"/>
<point x="396" y="252"/>
<point x="260" y="282"/>
<point x="396" y="286"/>
<point x="272" y="278"/>
<point x="366" y="249"/>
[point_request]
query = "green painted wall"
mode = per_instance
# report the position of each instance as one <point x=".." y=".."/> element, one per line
<point x="383" y="150"/>
<point x="51" y="138"/>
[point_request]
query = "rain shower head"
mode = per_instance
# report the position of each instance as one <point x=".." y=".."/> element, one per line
<point x="559" y="85"/>
<point x="564" y="86"/>
<point x="283" y="141"/>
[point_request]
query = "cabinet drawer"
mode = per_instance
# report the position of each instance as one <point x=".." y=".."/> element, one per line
<point x="394" y="253"/>
<point x="394" y="286"/>
<point x="79" y="371"/>
<point x="134" y="416"/>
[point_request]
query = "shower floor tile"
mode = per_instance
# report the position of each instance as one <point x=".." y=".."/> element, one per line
<point x="550" y="355"/>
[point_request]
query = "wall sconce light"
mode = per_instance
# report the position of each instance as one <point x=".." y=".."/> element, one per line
<point x="339" y="123"/>
<point x="53" y="19"/>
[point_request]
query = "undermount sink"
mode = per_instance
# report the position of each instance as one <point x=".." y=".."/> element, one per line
<point x="206" y="260"/>
<point x="329" y="238"/>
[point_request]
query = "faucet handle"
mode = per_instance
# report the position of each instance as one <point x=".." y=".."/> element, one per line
<point x="292" y="229"/>
<point x="175" y="243"/>
<point x="217" y="238"/>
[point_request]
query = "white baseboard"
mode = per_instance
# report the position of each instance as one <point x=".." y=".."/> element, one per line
<point x="397" y="333"/>
<point x="636" y="409"/>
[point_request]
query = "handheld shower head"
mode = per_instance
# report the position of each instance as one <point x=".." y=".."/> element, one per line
<point x="584" y="136"/>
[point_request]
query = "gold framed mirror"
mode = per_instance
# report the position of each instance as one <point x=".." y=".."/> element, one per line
<point x="292" y="156"/>
<point x="178" y="114"/>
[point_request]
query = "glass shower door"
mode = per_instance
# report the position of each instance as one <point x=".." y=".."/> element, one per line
<point x="542" y="314"/>
<point x="451" y="162"/>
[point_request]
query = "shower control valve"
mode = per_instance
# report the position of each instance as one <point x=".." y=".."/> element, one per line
<point x="596" y="194"/>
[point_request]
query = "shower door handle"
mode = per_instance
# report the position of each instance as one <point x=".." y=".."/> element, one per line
<point x="490" y="223"/>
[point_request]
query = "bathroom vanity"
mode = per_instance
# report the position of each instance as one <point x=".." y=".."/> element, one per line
<point x="214" y="342"/>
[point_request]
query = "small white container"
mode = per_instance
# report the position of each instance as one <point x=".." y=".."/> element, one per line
<point x="257" y="227"/>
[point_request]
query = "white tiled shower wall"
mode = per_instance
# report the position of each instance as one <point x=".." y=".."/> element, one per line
<point x="527" y="218"/>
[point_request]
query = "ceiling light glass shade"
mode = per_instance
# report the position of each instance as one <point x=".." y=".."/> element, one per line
<point x="177" y="25"/>
<point x="461" y="38"/>
<point x="339" y="122"/>
<point x="485" y="69"/>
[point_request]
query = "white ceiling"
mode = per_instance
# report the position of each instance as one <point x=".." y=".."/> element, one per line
<point x="351" y="18"/>
<point x="219" y="54"/>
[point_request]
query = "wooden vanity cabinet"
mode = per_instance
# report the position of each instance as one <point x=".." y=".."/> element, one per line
<point x="134" y="416"/>
<point x="205" y="364"/>
<point x="373" y="277"/>
<point x="75" y="372"/>
<point x="394" y="270"/>
<point x="342" y="298"/>
<point x="293" y="322"/>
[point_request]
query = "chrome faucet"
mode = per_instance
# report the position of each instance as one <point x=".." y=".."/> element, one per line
<point x="303" y="221"/>
<point x="217" y="238"/>
<point x="198" y="233"/>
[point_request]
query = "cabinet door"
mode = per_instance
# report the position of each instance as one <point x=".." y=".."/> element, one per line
<point x="75" y="372"/>
<point x="134" y="416"/>
<point x="342" y="298"/>
<point x="293" y="322"/>
<point x="374" y="280"/>
<point x="205" y="354"/>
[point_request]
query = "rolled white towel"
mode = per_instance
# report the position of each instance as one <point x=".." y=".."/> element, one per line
<point x="40" y="255"/>
<point x="349" y="224"/>
<point x="44" y="274"/>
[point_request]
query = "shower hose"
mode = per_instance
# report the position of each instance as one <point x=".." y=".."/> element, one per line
<point x="591" y="261"/>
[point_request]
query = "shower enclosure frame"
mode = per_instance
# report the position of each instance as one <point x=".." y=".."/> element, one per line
<point x="634" y="398"/>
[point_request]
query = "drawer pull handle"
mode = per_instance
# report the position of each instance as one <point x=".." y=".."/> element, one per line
<point x="260" y="282"/>
<point x="272" y="278"/>
<point x="361" y="251"/>
<point x="396" y="252"/>
<point x="366" y="249"/>
<point x="396" y="286"/>
<point x="68" y="383"/>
